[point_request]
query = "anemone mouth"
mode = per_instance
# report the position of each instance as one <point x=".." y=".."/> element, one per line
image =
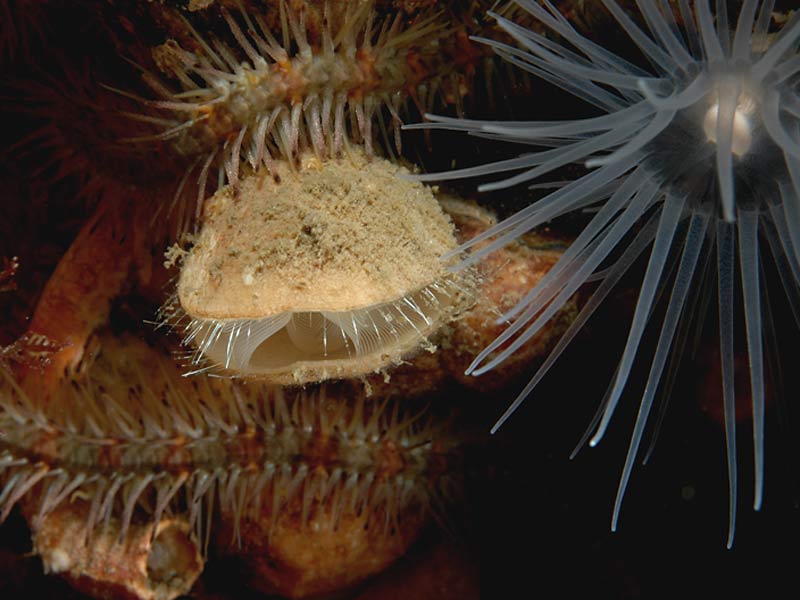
<point x="335" y="271"/>
<point x="296" y="347"/>
<point x="742" y="130"/>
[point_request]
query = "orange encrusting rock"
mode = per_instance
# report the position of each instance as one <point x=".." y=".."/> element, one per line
<point x="108" y="254"/>
<point x="503" y="278"/>
<point x="506" y="277"/>
<point x="440" y="570"/>
<point x="326" y="555"/>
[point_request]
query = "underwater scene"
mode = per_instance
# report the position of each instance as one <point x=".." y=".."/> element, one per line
<point x="374" y="299"/>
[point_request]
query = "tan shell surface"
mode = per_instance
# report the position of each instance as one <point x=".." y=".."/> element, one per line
<point x="334" y="236"/>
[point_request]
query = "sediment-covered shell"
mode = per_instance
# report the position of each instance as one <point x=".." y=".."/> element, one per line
<point x="333" y="271"/>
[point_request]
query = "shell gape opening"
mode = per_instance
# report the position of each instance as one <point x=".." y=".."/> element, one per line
<point x="267" y="346"/>
<point x="311" y="331"/>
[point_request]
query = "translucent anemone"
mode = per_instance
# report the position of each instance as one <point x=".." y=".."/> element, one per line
<point x="696" y="157"/>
